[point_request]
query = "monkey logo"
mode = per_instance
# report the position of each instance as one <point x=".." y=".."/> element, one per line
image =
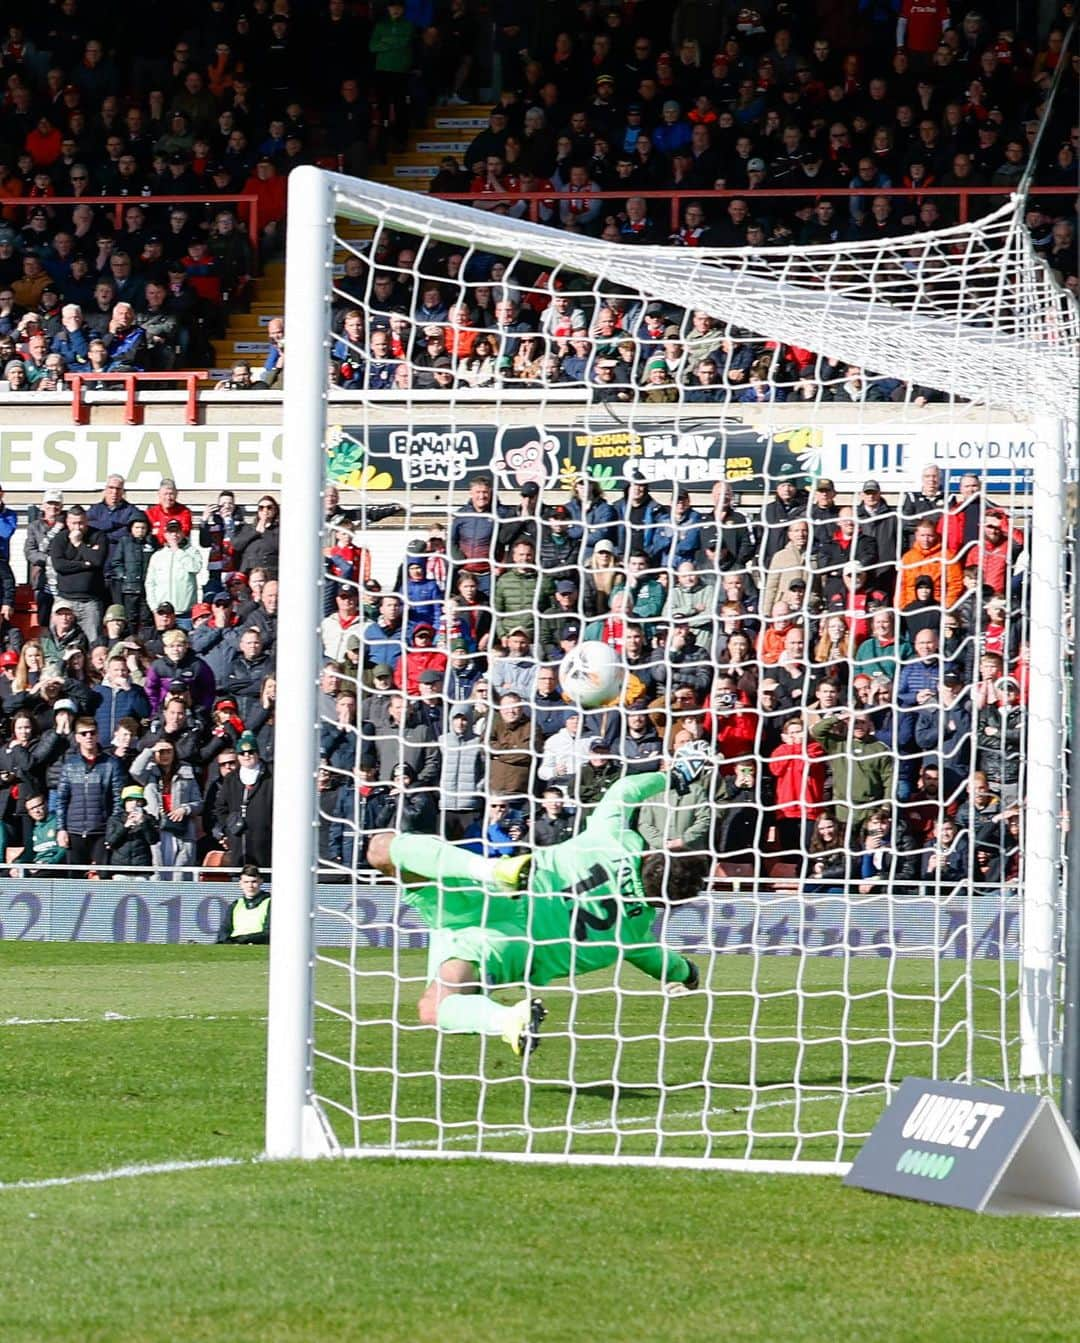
<point x="524" y="454"/>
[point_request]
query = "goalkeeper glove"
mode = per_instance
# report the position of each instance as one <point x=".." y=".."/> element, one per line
<point x="690" y="984"/>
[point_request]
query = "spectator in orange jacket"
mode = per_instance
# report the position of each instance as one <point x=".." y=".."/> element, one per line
<point x="928" y="556"/>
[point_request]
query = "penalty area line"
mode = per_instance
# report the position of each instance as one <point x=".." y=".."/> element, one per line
<point x="127" y="1172"/>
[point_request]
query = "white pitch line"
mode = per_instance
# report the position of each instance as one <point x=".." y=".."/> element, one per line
<point x="815" y="1034"/>
<point x="126" y="1173"/>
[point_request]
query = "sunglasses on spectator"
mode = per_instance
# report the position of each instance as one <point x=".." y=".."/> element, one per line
<point x="86" y="732"/>
<point x="246" y="751"/>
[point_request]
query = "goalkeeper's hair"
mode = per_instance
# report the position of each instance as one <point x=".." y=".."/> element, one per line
<point x="671" y="878"/>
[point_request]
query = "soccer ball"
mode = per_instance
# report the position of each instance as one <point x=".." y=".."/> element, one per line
<point x="590" y="674"/>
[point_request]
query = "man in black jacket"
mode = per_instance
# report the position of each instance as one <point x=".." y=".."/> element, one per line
<point x="78" y="555"/>
<point x="245" y="806"/>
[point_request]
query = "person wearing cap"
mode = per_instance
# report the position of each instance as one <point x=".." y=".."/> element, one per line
<point x="244" y="806"/>
<point x="642" y="520"/>
<point x="269" y="189"/>
<point x="431" y="707"/>
<point x="40" y="533"/>
<point x="560" y="619"/>
<point x="944" y="727"/>
<point x="167" y="508"/>
<point x="462" y="773"/>
<point x="560" y="555"/>
<point x="462" y="672"/>
<point x="924" y="613"/>
<point x="9" y="661"/>
<point x="423" y="594"/>
<point x="421" y="655"/>
<point x="790" y="502"/>
<point x="172" y="572"/>
<point x="79" y="556"/>
<point x="879" y="519"/>
<point x="375" y="697"/>
<point x="132" y="833"/>
<point x="522" y="524"/>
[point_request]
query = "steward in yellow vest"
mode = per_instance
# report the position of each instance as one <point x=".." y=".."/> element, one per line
<point x="248" y="918"/>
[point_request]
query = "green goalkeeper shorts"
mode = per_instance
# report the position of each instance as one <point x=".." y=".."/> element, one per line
<point x="468" y="924"/>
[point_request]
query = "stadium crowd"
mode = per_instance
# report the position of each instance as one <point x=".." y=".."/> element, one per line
<point x="856" y="671"/>
<point x="860" y="670"/>
<point x="599" y="99"/>
<point x="217" y="100"/>
<point x="139" y="710"/>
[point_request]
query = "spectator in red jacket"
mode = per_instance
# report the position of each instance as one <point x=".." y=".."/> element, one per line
<point x="269" y="190"/>
<point x="798" y="767"/>
<point x="733" y="727"/>
<point x="420" y="657"/>
<point x="168" y="510"/>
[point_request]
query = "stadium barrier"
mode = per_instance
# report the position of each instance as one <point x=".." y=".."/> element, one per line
<point x="247" y="202"/>
<point x="677" y="199"/>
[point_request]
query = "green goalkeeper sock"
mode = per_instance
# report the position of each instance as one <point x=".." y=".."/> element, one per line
<point x="472" y="1014"/>
<point x="425" y="856"/>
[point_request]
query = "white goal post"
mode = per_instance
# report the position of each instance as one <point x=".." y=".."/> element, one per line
<point x="968" y="312"/>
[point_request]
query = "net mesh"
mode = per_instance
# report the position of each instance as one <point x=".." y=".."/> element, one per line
<point x="720" y="464"/>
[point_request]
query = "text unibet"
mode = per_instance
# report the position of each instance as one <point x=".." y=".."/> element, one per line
<point x="950" y="1121"/>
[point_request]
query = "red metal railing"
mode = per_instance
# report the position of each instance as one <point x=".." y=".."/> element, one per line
<point x="133" y="411"/>
<point x="676" y="199"/>
<point x="120" y="203"/>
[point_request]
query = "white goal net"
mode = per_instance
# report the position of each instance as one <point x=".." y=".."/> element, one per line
<point x="813" y="499"/>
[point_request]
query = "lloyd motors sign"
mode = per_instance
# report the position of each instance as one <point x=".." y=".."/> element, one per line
<point x="1005" y="454"/>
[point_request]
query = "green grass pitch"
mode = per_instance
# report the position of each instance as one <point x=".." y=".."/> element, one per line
<point x="120" y="1055"/>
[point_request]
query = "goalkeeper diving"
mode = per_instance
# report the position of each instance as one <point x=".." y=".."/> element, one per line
<point x="551" y="914"/>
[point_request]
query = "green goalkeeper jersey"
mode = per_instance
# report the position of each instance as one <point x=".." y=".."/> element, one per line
<point x="588" y="902"/>
<point x="586" y="906"/>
